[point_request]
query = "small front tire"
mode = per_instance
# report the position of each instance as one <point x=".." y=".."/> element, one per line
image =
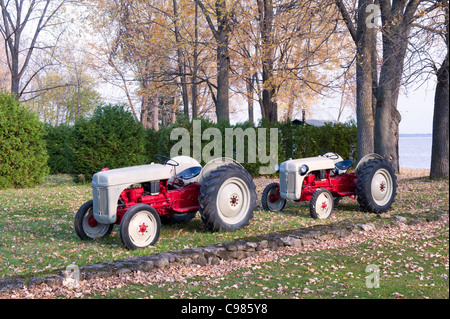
<point x="140" y="227"/>
<point x="271" y="199"/>
<point x="321" y="204"/>
<point x="86" y="227"/>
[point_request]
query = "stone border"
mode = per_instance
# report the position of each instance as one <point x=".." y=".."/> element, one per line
<point x="216" y="253"/>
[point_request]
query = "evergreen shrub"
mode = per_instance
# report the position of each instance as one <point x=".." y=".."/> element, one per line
<point x="110" y="138"/>
<point x="23" y="156"/>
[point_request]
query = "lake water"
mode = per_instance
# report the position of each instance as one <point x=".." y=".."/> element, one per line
<point x="415" y="150"/>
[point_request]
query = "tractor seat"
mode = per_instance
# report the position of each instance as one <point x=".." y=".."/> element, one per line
<point x="190" y="172"/>
<point x="344" y="165"/>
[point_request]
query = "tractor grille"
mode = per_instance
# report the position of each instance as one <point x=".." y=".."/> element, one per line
<point x="291" y="177"/>
<point x="101" y="200"/>
<point x="287" y="182"/>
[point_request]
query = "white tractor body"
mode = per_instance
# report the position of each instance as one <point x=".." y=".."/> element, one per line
<point x="109" y="184"/>
<point x="291" y="177"/>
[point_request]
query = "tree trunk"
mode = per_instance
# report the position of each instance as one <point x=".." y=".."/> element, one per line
<point x="269" y="106"/>
<point x="387" y="117"/>
<point x="290" y="107"/>
<point x="250" y="101"/>
<point x="195" y="66"/>
<point x="387" y="121"/>
<point x="397" y="21"/>
<point x="440" y="147"/>
<point x="144" y="112"/>
<point x="180" y="60"/>
<point x="223" y="62"/>
<point x="364" y="84"/>
<point x="221" y="36"/>
<point x="155" y="111"/>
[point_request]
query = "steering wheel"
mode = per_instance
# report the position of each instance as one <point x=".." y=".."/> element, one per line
<point x="332" y="156"/>
<point x="165" y="160"/>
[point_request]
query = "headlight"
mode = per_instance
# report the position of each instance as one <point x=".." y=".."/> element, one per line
<point x="303" y="170"/>
<point x="277" y="167"/>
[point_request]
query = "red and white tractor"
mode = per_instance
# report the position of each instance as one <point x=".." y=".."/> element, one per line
<point x="138" y="198"/>
<point x="324" y="180"/>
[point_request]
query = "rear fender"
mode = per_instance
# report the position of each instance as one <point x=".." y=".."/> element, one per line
<point x="212" y="165"/>
<point x="365" y="159"/>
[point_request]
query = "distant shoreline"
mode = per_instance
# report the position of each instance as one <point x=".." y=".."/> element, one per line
<point x="416" y="135"/>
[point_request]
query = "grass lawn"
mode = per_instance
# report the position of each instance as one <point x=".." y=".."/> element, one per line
<point x="410" y="267"/>
<point x="37" y="232"/>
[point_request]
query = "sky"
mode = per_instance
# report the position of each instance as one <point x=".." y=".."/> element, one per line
<point x="416" y="108"/>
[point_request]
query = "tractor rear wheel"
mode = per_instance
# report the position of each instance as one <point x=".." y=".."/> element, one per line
<point x="271" y="199"/>
<point x="376" y="186"/>
<point x="321" y="204"/>
<point x="227" y="198"/>
<point x="140" y="227"/>
<point x="86" y="227"/>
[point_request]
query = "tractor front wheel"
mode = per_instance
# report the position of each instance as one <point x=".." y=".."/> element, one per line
<point x="321" y="204"/>
<point x="227" y="198"/>
<point x="86" y="227"/>
<point x="271" y="199"/>
<point x="140" y="227"/>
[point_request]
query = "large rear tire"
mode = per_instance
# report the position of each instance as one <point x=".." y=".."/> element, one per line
<point x="227" y="198"/>
<point x="376" y="186"/>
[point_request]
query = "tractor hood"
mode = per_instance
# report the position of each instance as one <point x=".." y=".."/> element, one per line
<point x="132" y="175"/>
<point x="313" y="163"/>
<point x="291" y="180"/>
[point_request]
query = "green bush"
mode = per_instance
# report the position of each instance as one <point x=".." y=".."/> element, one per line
<point x="294" y="141"/>
<point x="110" y="138"/>
<point x="23" y="156"/>
<point x="300" y="141"/>
<point x="56" y="142"/>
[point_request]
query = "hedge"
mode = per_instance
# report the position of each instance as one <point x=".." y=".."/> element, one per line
<point x="111" y="138"/>
<point x="23" y="156"/>
<point x="56" y="138"/>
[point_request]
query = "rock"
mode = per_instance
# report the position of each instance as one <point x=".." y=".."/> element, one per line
<point x="239" y="254"/>
<point x="263" y="245"/>
<point x="54" y="280"/>
<point x="146" y="265"/>
<point x="367" y="227"/>
<point x="401" y="219"/>
<point x="252" y="245"/>
<point x="162" y="262"/>
<point x="201" y="260"/>
<point x="293" y="242"/>
<point x="213" y="261"/>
